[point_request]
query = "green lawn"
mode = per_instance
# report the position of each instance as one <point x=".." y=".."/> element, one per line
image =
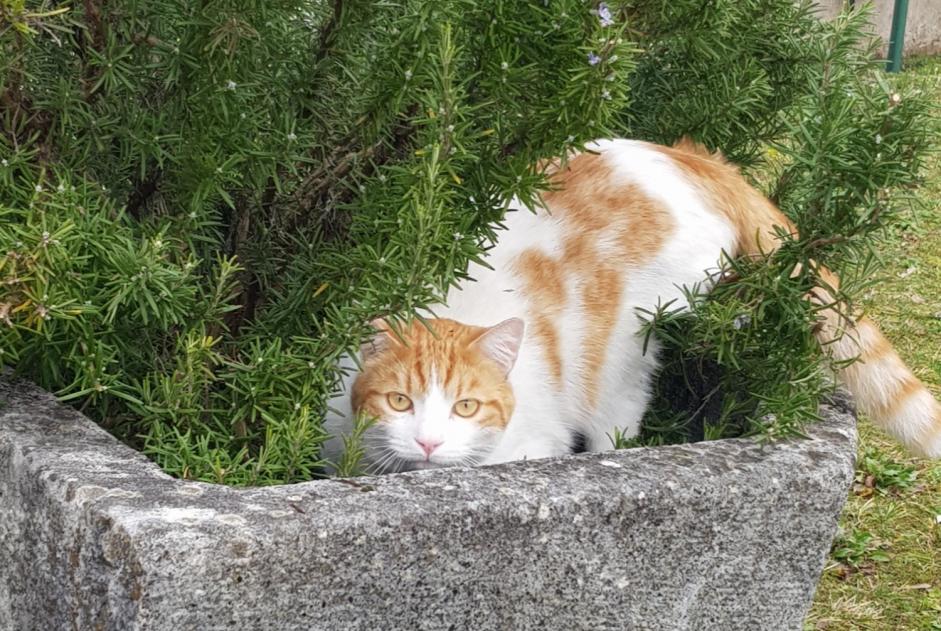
<point x="885" y="569"/>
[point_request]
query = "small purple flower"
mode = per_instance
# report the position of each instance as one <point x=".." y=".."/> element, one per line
<point x="604" y="14"/>
<point x="769" y="419"/>
<point x="593" y="59"/>
<point x="741" y="321"/>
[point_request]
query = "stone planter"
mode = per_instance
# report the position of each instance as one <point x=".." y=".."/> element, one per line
<point x="721" y="535"/>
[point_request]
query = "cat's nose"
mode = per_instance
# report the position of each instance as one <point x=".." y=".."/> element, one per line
<point x="428" y="446"/>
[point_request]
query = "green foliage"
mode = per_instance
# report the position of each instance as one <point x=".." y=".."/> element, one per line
<point x="353" y="452"/>
<point x="720" y="71"/>
<point x="203" y="204"/>
<point x="843" y="159"/>
<point x="878" y="470"/>
<point x="858" y="548"/>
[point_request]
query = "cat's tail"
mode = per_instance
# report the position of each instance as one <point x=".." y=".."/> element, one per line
<point x="885" y="388"/>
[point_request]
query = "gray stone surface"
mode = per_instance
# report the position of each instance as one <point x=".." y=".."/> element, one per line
<point x="725" y="535"/>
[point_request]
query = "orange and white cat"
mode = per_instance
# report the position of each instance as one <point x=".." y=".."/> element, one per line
<point x="544" y="344"/>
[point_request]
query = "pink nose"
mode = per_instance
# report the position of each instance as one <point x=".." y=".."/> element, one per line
<point x="428" y="446"/>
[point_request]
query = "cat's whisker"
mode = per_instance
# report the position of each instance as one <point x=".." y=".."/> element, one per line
<point x="470" y="461"/>
<point x="388" y="459"/>
<point x="384" y="466"/>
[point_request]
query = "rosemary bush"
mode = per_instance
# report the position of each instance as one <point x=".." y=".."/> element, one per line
<point x="203" y="203"/>
<point x="841" y="160"/>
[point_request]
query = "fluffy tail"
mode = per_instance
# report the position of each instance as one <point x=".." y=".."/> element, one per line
<point x="884" y="387"/>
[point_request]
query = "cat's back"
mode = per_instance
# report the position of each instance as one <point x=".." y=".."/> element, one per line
<point x="624" y="226"/>
<point x="620" y="208"/>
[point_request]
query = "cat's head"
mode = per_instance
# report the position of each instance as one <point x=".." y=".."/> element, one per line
<point x="439" y="393"/>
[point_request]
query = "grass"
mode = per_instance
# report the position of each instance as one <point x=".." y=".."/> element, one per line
<point x="884" y="572"/>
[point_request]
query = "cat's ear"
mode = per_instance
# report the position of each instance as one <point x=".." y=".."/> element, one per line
<point x="378" y="342"/>
<point x="501" y="343"/>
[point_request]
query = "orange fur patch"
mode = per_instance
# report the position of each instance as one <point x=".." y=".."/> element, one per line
<point x="446" y="351"/>
<point x="602" y="301"/>
<point x="545" y="288"/>
<point x="730" y="195"/>
<point x="592" y="207"/>
<point x="909" y="386"/>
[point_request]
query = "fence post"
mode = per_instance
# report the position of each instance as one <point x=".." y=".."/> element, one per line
<point x="897" y="35"/>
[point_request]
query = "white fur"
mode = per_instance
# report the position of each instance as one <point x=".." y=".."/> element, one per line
<point x="878" y="382"/>
<point x="913" y="418"/>
<point x="547" y="416"/>
<point x="932" y="448"/>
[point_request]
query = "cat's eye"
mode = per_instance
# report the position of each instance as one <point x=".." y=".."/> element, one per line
<point x="466" y="407"/>
<point x="398" y="401"/>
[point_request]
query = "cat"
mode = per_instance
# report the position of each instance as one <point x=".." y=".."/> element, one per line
<point x="543" y="344"/>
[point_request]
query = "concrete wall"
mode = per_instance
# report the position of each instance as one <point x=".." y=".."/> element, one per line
<point x="728" y="535"/>
<point x="923" y="30"/>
